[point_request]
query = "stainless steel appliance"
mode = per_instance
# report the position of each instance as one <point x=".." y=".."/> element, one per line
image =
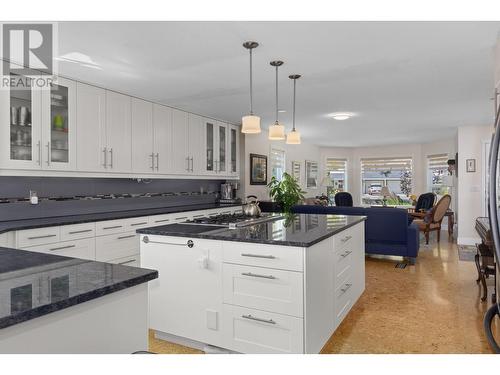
<point x="494" y="216"/>
<point x="232" y="221"/>
<point x="226" y="191"/>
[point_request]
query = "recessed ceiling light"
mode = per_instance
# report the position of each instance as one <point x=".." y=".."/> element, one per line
<point x="341" y="115"/>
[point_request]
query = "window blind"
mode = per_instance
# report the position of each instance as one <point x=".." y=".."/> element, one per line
<point x="336" y="165"/>
<point x="386" y="164"/>
<point x="277" y="163"/>
<point x="437" y="161"/>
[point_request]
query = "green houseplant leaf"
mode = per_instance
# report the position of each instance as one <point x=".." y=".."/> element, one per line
<point x="286" y="192"/>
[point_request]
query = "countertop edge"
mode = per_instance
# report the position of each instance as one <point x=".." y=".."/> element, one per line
<point x="207" y="236"/>
<point x="76" y="300"/>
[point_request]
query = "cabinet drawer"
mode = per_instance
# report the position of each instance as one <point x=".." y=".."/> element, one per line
<point x="39" y="236"/>
<point x="271" y="256"/>
<point x="133" y="261"/>
<point x="77" y="231"/>
<point x="351" y="238"/>
<point x="111" y="226"/>
<point x="83" y="249"/>
<point x="254" y="331"/>
<point x="344" y="298"/>
<point x="116" y="246"/>
<point x="263" y="289"/>
<point x="4" y="239"/>
<point x="138" y="223"/>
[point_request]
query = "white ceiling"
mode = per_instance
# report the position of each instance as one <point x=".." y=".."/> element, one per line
<point x="408" y="81"/>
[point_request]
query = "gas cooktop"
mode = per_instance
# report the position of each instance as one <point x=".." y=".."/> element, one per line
<point x="232" y="220"/>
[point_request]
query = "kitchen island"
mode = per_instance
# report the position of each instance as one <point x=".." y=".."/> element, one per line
<point x="56" y="304"/>
<point x="279" y="285"/>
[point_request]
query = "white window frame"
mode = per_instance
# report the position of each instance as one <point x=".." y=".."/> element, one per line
<point x="272" y="162"/>
<point x="432" y="162"/>
<point x="346" y="163"/>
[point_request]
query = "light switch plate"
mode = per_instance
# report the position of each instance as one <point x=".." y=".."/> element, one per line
<point x="211" y="319"/>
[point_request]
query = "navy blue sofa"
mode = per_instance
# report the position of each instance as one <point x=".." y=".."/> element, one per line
<point x="387" y="230"/>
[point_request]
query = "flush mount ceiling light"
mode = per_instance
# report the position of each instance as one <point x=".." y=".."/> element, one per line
<point x="250" y="124"/>
<point x="341" y="115"/>
<point x="293" y="138"/>
<point x="276" y="131"/>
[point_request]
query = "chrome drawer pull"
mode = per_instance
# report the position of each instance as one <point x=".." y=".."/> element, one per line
<point x="129" y="236"/>
<point x="189" y="243"/>
<point x="346" y="238"/>
<point x="127" y="262"/>
<point x="135" y="224"/>
<point x="115" y="227"/>
<point x="45" y="236"/>
<point x="257" y="275"/>
<point x="161" y="221"/>
<point x="347" y="286"/>
<point x="181" y="218"/>
<point x="346" y="253"/>
<point x="80" y="231"/>
<point x="62" y="247"/>
<point x="198" y="215"/>
<point x="258" y="256"/>
<point x="250" y="317"/>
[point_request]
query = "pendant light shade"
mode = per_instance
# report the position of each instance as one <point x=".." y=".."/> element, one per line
<point x="293" y="138"/>
<point x="276" y="130"/>
<point x="250" y="124"/>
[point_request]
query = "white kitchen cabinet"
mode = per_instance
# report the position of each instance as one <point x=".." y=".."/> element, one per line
<point x="190" y="276"/>
<point x="216" y="146"/>
<point x="91" y="130"/>
<point x="83" y="249"/>
<point x="116" y="246"/>
<point x="181" y="160"/>
<point x="162" y="141"/>
<point x="234" y="151"/>
<point x="195" y="144"/>
<point x="118" y="132"/>
<point x="59" y="125"/>
<point x="143" y="157"/>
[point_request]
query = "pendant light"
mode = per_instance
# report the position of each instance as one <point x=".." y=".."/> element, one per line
<point x="293" y="138"/>
<point x="250" y="124"/>
<point x="276" y="131"/>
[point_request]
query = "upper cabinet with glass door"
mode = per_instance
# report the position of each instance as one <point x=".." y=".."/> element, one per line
<point x="234" y="151"/>
<point x="216" y="147"/>
<point x="58" y="125"/>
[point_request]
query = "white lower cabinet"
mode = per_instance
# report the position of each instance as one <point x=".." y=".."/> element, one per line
<point x="116" y="246"/>
<point x="133" y="261"/>
<point x="255" y="331"/>
<point x="254" y="298"/>
<point x="83" y="249"/>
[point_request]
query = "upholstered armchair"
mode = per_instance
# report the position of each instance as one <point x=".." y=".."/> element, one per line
<point x="433" y="219"/>
<point x="343" y="199"/>
<point x="424" y="203"/>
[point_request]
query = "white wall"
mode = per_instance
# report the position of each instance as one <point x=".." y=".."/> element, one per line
<point x="259" y="144"/>
<point x="470" y="185"/>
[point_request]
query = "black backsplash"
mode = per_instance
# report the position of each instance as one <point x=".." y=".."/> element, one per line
<point x="19" y="187"/>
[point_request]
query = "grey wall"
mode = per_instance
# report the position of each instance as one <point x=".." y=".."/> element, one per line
<point x="19" y="187"/>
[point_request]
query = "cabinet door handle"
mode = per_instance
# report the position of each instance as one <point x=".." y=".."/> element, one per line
<point x="152" y="156"/>
<point x="345" y="253"/>
<point x="157" y="160"/>
<point x="345" y="288"/>
<point x="187" y="159"/>
<point x="181" y="218"/>
<point x="62" y="247"/>
<point x="128" y="236"/>
<point x="111" y="158"/>
<point x="346" y="238"/>
<point x="113" y="227"/>
<point x="44" y="236"/>
<point x="80" y="231"/>
<point x="105" y="163"/>
<point x="192" y="164"/>
<point x="162" y="220"/>
<point x="258" y="256"/>
<point x="250" y="317"/>
<point x="257" y="275"/>
<point x="39" y="145"/>
<point x="189" y="243"/>
<point x="135" y="224"/>
<point x="127" y="262"/>
<point x="48" y="153"/>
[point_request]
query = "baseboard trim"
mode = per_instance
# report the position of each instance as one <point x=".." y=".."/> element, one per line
<point x="191" y="343"/>
<point x="468" y="241"/>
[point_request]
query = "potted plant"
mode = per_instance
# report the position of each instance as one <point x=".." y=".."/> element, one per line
<point x="286" y="193"/>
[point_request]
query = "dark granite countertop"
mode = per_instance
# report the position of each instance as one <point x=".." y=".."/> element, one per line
<point x="40" y="222"/>
<point x="35" y="284"/>
<point x="302" y="230"/>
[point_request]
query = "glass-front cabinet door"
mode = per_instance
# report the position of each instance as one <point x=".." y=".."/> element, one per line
<point x="21" y="124"/>
<point x="222" y="148"/>
<point x="234" y="150"/>
<point x="209" y="146"/>
<point x="58" y="125"/>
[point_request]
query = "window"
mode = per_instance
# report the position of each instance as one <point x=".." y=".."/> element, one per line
<point x="437" y="169"/>
<point x="395" y="173"/>
<point x="336" y="170"/>
<point x="277" y="163"/>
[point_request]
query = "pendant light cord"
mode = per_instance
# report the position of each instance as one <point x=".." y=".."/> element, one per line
<point x="251" y="84"/>
<point x="294" y="83"/>
<point x="276" y="95"/>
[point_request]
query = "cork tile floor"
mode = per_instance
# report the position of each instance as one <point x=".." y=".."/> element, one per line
<point x="432" y="307"/>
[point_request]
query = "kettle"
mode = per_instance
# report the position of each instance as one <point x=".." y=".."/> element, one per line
<point x="251" y="208"/>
